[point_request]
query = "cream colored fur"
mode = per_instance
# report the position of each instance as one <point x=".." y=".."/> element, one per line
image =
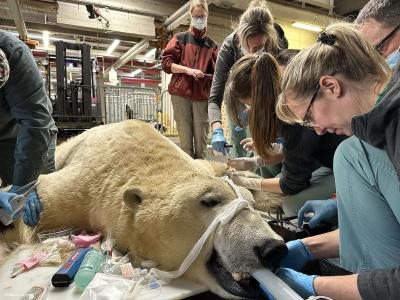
<point x="127" y="179"/>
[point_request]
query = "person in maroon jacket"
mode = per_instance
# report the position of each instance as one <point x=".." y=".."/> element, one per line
<point x="190" y="56"/>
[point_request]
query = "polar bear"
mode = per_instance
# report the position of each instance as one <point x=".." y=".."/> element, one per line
<point x="127" y="179"/>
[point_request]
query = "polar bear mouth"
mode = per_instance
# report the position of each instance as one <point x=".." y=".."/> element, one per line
<point x="238" y="284"/>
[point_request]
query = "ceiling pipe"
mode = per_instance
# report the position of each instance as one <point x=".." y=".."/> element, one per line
<point x="15" y="10"/>
<point x="178" y="17"/>
<point x="121" y="8"/>
<point x="287" y="13"/>
<point x="130" y="54"/>
<point x="331" y="7"/>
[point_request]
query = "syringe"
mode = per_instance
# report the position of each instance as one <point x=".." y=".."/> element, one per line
<point x="107" y="253"/>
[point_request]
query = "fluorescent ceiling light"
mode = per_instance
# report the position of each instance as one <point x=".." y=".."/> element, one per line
<point x="134" y="73"/>
<point x="129" y="55"/>
<point x="45" y="38"/>
<point x="150" y="53"/>
<point x="112" y="47"/>
<point x="305" y="26"/>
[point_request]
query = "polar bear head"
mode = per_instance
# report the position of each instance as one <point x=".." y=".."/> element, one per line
<point x="166" y="230"/>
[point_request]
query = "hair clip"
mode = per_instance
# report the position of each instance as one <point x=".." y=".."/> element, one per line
<point x="327" y="39"/>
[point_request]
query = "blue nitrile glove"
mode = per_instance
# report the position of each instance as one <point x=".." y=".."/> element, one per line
<point x="5" y="199"/>
<point x="238" y="128"/>
<point x="298" y="255"/>
<point x="218" y="140"/>
<point x="323" y="210"/>
<point x="301" y="283"/>
<point x="33" y="207"/>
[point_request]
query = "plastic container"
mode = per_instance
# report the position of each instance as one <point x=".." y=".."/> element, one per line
<point x="64" y="276"/>
<point x="274" y="285"/>
<point x="89" y="267"/>
<point x="125" y="270"/>
<point x="17" y="204"/>
<point x="107" y="248"/>
<point x="62" y="232"/>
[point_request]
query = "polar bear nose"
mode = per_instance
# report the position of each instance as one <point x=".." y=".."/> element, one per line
<point x="272" y="253"/>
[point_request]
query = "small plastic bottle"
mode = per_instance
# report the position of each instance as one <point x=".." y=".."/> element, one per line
<point x="90" y="266"/>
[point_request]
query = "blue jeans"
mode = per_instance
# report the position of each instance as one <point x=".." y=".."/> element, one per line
<point x="236" y="137"/>
<point x="368" y="192"/>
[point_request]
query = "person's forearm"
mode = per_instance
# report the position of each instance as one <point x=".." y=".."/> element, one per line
<point x="324" y="245"/>
<point x="273" y="159"/>
<point x="214" y="113"/>
<point x="337" y="287"/>
<point x="271" y="185"/>
<point x="175" y="68"/>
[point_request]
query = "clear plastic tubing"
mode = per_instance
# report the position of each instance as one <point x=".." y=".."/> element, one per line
<point x="276" y="286"/>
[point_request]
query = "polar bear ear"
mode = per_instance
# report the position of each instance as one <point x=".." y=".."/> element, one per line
<point x="132" y="198"/>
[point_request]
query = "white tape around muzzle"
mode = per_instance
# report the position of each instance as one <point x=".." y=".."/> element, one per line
<point x="225" y="217"/>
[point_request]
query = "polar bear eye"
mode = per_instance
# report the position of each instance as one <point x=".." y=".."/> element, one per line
<point x="209" y="202"/>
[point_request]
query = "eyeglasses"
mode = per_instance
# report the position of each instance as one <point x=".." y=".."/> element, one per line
<point x="385" y="39"/>
<point x="307" y="120"/>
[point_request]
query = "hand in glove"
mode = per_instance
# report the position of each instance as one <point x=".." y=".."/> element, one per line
<point x="301" y="283"/>
<point x="248" y="144"/>
<point x="218" y="140"/>
<point x="5" y="199"/>
<point x="32" y="209"/>
<point x="322" y="210"/>
<point x="245" y="163"/>
<point x="298" y="255"/>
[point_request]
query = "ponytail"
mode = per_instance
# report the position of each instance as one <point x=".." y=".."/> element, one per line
<point x="258" y="78"/>
<point x="264" y="124"/>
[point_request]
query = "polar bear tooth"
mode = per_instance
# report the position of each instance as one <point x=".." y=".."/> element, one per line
<point x="237" y="276"/>
<point x="240" y="276"/>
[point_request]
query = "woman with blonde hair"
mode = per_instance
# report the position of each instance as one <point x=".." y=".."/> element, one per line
<point x="333" y="87"/>
<point x="307" y="158"/>
<point x="191" y="57"/>
<point x="255" y="33"/>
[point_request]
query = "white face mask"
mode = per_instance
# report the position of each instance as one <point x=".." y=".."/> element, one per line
<point x="199" y="22"/>
<point x="4" y="68"/>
